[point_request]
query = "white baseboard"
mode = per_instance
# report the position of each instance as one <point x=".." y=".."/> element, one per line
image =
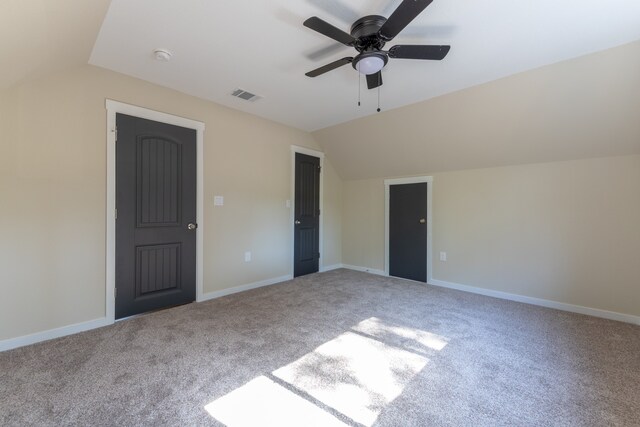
<point x="365" y="269"/>
<point x="596" y="312"/>
<point x="611" y="315"/>
<point x="12" y="343"/>
<point x="331" y="267"/>
<point x="242" y="288"/>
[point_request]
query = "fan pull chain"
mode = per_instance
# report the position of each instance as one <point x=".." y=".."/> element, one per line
<point x="359" y="75"/>
<point x="378" y="99"/>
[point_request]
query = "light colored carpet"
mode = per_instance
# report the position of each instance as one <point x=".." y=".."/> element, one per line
<point x="336" y="348"/>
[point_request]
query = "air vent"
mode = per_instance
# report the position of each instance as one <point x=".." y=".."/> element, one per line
<point x="247" y="96"/>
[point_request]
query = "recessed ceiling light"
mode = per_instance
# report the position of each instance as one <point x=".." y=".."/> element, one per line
<point x="162" y="55"/>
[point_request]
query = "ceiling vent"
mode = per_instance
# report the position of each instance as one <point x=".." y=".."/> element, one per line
<point x="247" y="96"/>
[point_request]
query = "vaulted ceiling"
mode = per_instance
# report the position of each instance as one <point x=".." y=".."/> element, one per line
<point x="580" y="108"/>
<point x="261" y="46"/>
<point x="505" y="103"/>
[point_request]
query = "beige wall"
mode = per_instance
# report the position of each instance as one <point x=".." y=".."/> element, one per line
<point x="332" y="217"/>
<point x="563" y="231"/>
<point x="52" y="195"/>
<point x="363" y="220"/>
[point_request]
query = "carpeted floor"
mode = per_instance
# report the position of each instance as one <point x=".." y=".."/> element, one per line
<point x="336" y="348"/>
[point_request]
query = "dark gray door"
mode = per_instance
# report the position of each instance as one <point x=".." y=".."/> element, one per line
<point x="408" y="231"/>
<point x="306" y="242"/>
<point x="156" y="215"/>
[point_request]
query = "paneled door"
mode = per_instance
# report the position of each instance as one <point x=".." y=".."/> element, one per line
<point x="306" y="242"/>
<point x="156" y="215"/>
<point x="408" y="231"/>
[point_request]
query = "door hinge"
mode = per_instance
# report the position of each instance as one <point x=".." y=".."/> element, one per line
<point x="318" y="255"/>
<point x="115" y="292"/>
<point x="115" y="131"/>
<point x="319" y="168"/>
<point x="116" y="213"/>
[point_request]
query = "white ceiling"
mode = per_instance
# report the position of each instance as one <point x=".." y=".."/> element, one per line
<point x="261" y="46"/>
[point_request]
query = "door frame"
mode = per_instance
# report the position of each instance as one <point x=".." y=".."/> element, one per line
<point x="292" y="202"/>
<point x="113" y="108"/>
<point x="412" y="180"/>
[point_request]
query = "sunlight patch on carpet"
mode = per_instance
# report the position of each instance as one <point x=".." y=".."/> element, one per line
<point x="354" y="374"/>
<point x="352" y="377"/>
<point x="262" y="402"/>
<point x="414" y="339"/>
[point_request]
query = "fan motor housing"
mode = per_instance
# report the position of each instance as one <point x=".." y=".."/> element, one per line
<point x="365" y="31"/>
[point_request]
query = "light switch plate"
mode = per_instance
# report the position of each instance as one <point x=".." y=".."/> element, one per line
<point x="218" y="200"/>
<point x="443" y="256"/>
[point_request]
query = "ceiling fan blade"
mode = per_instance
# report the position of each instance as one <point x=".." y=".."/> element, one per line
<point x="406" y="51"/>
<point x="374" y="80"/>
<point x="329" y="67"/>
<point x="329" y="30"/>
<point x="400" y="18"/>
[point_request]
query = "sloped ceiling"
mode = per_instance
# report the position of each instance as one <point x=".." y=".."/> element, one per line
<point x="584" y="107"/>
<point x="40" y="37"/>
<point x="581" y="108"/>
<point x="261" y="46"/>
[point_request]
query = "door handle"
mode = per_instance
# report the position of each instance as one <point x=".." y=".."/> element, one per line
<point x="422" y="220"/>
<point x="192" y="226"/>
<point x="297" y="222"/>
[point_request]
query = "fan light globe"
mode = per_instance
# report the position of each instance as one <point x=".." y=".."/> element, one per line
<point x="370" y="65"/>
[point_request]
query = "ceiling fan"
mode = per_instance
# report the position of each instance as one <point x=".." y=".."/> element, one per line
<point x="368" y="36"/>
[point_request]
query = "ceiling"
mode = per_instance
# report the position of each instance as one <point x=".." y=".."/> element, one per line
<point x="262" y="47"/>
<point x="581" y="108"/>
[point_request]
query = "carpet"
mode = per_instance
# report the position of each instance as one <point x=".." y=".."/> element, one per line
<point x="341" y="348"/>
